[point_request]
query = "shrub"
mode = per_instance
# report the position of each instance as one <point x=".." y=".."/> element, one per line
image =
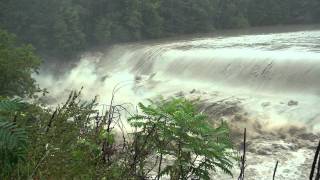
<point x="176" y="130"/>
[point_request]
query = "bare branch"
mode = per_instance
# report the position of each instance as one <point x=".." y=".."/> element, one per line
<point x="315" y="162"/>
<point x="275" y="170"/>
<point x="243" y="157"/>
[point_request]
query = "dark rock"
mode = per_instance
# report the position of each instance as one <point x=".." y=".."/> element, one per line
<point x="104" y="77"/>
<point x="265" y="104"/>
<point x="293" y="103"/>
<point x="138" y="78"/>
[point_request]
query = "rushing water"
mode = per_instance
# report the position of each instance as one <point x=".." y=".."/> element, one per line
<point x="274" y="77"/>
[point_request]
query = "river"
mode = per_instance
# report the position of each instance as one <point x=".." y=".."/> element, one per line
<point x="265" y="79"/>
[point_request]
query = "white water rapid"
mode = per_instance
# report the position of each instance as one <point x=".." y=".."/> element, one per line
<point x="267" y="82"/>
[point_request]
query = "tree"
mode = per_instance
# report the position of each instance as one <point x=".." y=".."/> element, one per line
<point x="152" y="21"/>
<point x="132" y="18"/>
<point x="102" y="32"/>
<point x="200" y="16"/>
<point x="17" y="64"/>
<point x="174" y="128"/>
<point x="68" y="35"/>
<point x="232" y="14"/>
<point x="315" y="5"/>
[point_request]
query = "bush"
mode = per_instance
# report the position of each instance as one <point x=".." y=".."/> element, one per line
<point x="175" y="129"/>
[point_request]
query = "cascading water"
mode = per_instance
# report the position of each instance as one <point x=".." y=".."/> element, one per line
<point x="274" y="78"/>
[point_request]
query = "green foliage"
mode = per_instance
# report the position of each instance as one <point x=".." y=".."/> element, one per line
<point x="68" y="141"/>
<point x="39" y="143"/>
<point x="13" y="146"/>
<point x="36" y="142"/>
<point x="68" y="35"/>
<point x="152" y="20"/>
<point x="17" y="64"/>
<point x="103" y="30"/>
<point x="13" y="140"/>
<point x="10" y="105"/>
<point x="174" y="128"/>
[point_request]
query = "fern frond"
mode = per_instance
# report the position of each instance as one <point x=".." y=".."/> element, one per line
<point x="11" y="105"/>
<point x="12" y="137"/>
<point x="13" y="145"/>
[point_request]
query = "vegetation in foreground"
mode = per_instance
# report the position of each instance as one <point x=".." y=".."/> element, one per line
<point x="75" y="142"/>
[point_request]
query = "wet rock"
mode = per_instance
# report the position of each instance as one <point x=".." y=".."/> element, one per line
<point x="103" y="78"/>
<point x="138" y="78"/>
<point x="265" y="104"/>
<point x="193" y="91"/>
<point x="293" y="103"/>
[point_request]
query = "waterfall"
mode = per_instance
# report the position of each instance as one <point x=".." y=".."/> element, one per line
<point x="260" y="69"/>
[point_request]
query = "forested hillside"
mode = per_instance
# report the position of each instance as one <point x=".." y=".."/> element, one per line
<point x="63" y="28"/>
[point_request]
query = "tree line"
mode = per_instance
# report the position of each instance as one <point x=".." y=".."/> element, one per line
<point x="64" y="28"/>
